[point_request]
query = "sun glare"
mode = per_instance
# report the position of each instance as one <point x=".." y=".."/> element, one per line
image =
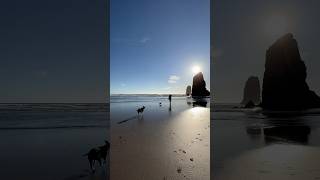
<point x="196" y="69"/>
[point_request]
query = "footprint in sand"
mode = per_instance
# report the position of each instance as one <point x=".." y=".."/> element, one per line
<point x="179" y="170"/>
<point x="122" y="140"/>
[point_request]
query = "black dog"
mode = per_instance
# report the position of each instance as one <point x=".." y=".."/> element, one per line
<point x="140" y="110"/>
<point x="93" y="156"/>
<point x="98" y="154"/>
<point x="104" y="151"/>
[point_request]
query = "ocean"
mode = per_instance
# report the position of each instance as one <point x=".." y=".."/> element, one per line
<point x="51" y="116"/>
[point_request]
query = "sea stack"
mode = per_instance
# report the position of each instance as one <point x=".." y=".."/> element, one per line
<point x="284" y="81"/>
<point x="199" y="86"/>
<point x="188" y="90"/>
<point x="251" y="92"/>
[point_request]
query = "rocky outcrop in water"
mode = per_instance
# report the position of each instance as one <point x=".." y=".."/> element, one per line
<point x="284" y="81"/>
<point x="188" y="91"/>
<point x="199" y="86"/>
<point x="251" y="91"/>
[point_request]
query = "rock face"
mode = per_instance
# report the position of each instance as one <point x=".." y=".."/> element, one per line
<point x="188" y="91"/>
<point x="251" y="91"/>
<point x="284" y="81"/>
<point x="199" y="86"/>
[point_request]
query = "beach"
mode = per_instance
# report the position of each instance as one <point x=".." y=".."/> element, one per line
<point x="256" y="145"/>
<point x="164" y="142"/>
<point x="48" y="141"/>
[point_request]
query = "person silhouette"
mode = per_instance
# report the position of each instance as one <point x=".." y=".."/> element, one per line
<point x="170" y="97"/>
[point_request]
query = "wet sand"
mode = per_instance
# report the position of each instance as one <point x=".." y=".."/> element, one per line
<point x="252" y="145"/>
<point x="161" y="144"/>
<point x="49" y="153"/>
<point x="278" y="162"/>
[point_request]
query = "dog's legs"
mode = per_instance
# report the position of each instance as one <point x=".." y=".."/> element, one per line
<point x="91" y="165"/>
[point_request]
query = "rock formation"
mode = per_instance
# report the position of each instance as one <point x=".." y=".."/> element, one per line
<point x="251" y="91"/>
<point x="284" y="81"/>
<point x="188" y="91"/>
<point x="199" y="86"/>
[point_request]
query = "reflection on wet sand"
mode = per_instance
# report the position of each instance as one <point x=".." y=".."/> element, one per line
<point x="197" y="102"/>
<point x="278" y="146"/>
<point x="275" y="131"/>
<point x="296" y="134"/>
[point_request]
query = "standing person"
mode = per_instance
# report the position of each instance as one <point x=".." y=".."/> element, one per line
<point x="170" y="101"/>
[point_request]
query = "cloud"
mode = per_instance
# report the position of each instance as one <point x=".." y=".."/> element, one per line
<point x="173" y="79"/>
<point x="166" y="88"/>
<point x="123" y="84"/>
<point x="131" y="41"/>
<point x="144" y="40"/>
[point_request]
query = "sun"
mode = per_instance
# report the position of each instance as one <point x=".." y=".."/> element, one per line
<point x="196" y="69"/>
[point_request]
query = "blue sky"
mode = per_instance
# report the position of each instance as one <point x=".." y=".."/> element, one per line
<point x="154" y="44"/>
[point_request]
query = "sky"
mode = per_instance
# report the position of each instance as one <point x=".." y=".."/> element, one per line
<point x="53" y="51"/>
<point x="154" y="45"/>
<point x="244" y="29"/>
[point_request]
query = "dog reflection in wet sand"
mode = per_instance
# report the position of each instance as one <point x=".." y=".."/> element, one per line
<point x="98" y="154"/>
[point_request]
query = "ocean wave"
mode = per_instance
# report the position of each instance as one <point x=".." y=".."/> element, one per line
<point x="53" y="127"/>
<point x="55" y="107"/>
